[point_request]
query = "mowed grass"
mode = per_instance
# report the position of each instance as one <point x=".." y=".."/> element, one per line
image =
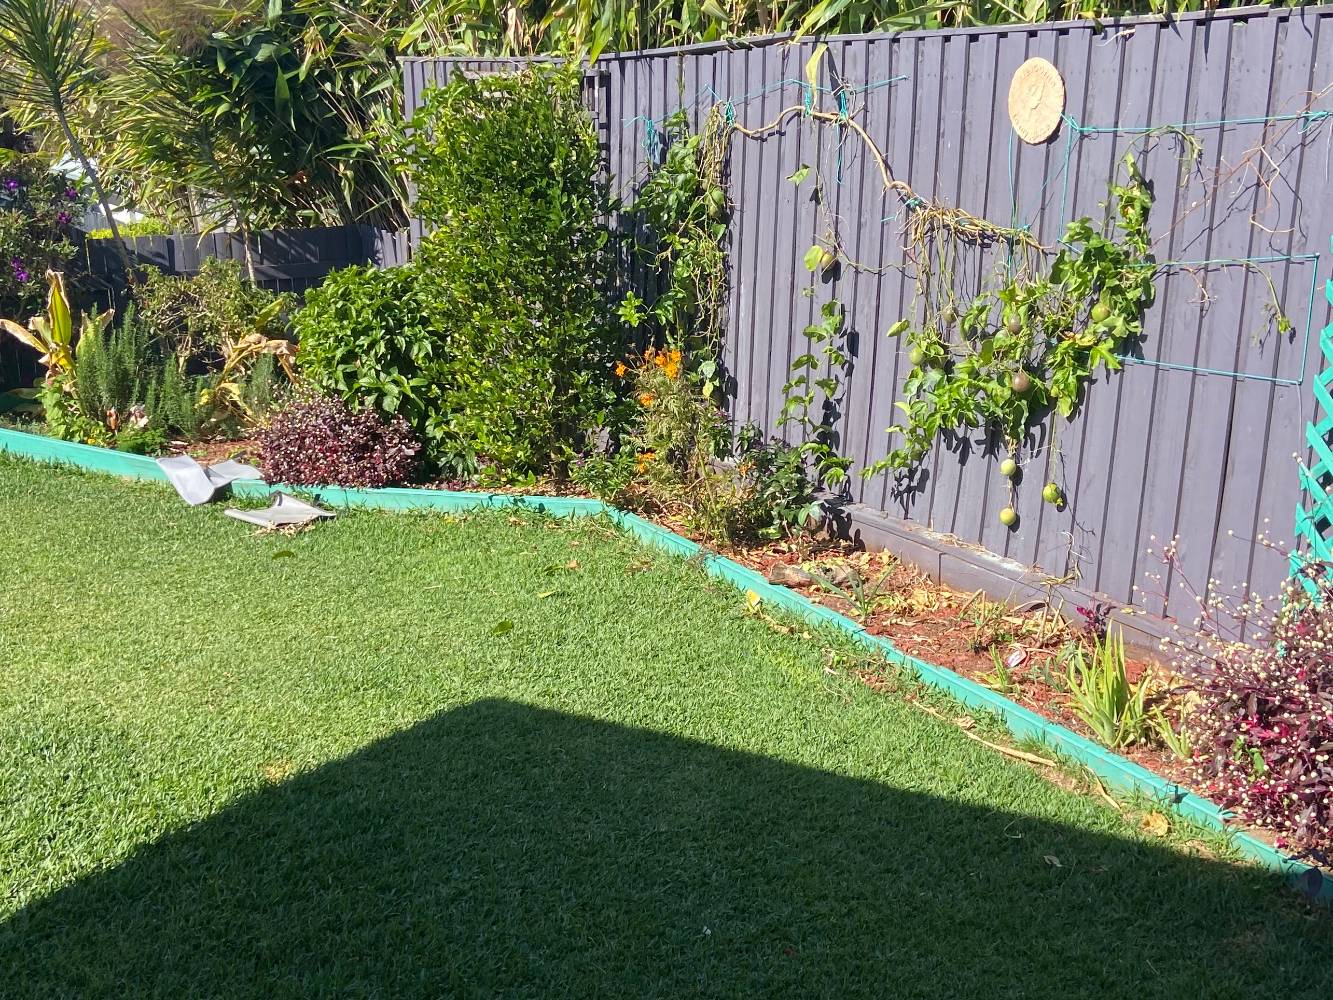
<point x="410" y="756"/>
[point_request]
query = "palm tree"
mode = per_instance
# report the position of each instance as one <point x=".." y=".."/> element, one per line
<point x="46" y="61"/>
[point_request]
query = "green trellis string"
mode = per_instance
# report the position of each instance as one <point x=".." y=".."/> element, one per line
<point x="1074" y="130"/>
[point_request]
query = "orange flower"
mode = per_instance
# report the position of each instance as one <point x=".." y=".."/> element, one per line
<point x="620" y="368"/>
<point x="672" y="369"/>
<point x="675" y="357"/>
<point x="660" y="360"/>
<point x="646" y="399"/>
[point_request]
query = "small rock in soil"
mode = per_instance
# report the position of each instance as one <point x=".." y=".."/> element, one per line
<point x="790" y="576"/>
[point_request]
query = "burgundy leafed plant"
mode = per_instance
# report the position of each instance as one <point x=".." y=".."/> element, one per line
<point x="319" y="440"/>
<point x="1261" y="713"/>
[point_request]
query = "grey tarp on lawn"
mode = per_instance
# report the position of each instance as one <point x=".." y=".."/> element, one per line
<point x="199" y="484"/>
<point x="285" y="511"/>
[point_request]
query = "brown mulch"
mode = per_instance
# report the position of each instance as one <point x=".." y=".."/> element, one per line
<point x="209" y="452"/>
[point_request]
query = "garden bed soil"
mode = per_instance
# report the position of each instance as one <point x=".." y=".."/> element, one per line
<point x="211" y="452"/>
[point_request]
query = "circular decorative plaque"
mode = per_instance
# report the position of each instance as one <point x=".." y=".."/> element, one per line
<point x="1036" y="100"/>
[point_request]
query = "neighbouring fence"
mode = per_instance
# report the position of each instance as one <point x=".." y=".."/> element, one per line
<point x="284" y="260"/>
<point x="1196" y="437"/>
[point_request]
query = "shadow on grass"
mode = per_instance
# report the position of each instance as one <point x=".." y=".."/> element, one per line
<point x="504" y="850"/>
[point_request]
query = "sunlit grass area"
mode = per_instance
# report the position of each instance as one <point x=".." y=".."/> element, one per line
<point x="502" y="756"/>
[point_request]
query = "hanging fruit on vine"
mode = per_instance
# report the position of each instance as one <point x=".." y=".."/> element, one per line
<point x="1034" y="342"/>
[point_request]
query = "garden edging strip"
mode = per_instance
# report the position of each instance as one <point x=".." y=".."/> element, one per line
<point x="1118" y="772"/>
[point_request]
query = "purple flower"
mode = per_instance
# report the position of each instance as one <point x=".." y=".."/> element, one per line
<point x="11" y="184"/>
<point x="20" y="272"/>
<point x="63" y="218"/>
<point x="71" y="194"/>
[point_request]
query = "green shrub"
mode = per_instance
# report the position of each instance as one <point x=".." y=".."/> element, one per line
<point x="494" y="344"/>
<point x="173" y="403"/>
<point x="371" y="337"/>
<point x="130" y="393"/>
<point x="35" y="207"/>
<point x="128" y="230"/>
<point x="196" y="316"/>
<point x="115" y="370"/>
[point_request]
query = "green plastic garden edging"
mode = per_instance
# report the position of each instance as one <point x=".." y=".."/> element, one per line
<point x="1119" y="773"/>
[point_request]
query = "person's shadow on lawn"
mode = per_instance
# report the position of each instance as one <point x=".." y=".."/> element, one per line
<point x="502" y="850"/>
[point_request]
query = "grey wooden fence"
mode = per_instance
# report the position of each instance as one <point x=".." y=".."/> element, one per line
<point x="1194" y="439"/>
<point x="284" y="260"/>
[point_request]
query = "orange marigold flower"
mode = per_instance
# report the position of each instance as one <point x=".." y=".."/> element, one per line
<point x="672" y="369"/>
<point x="646" y="399"/>
<point x="643" y="460"/>
<point x="620" y="368"/>
<point x="675" y="357"/>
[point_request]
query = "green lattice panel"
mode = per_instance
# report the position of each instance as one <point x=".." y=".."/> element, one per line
<point x="1314" y="516"/>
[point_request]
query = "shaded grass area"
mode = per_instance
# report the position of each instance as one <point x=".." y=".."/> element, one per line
<point x="500" y="756"/>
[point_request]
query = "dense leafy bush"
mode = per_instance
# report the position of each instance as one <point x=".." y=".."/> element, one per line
<point x="320" y="441"/>
<point x="1261" y="723"/>
<point x="115" y="372"/>
<point x="35" y="207"/>
<point x="494" y="343"/>
<point x="140" y="227"/>
<point x="679" y="455"/>
<point x="131" y="394"/>
<point x="198" y="316"/>
<point x="372" y="336"/>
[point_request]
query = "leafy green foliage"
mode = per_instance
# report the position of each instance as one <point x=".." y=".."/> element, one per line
<point x="607" y="475"/>
<point x="494" y="344"/>
<point x="128" y="230"/>
<point x="202" y="315"/>
<point x="114" y="369"/>
<point x="815" y="381"/>
<point x="35" y="207"/>
<point x="270" y="112"/>
<point x="683" y="204"/>
<point x="375" y="338"/>
<point x="524" y="27"/>
<point x="48" y="64"/>
<point x="515" y="270"/>
<point x="679" y="455"/>
<point x="1034" y="343"/>
<point x="173" y="404"/>
<point x="1102" y="696"/>
<point x="782" y="496"/>
<point x="130" y="390"/>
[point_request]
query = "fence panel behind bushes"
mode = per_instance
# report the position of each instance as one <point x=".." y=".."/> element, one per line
<point x="1195" y="436"/>
<point x="284" y="260"/>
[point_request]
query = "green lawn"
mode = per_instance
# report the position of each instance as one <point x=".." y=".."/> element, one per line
<point x="244" y="766"/>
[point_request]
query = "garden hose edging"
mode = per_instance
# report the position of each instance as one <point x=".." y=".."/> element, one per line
<point x="1118" y="772"/>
